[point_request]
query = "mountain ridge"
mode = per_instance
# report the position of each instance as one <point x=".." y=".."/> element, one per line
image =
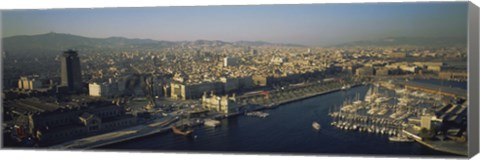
<point x="54" y="41"/>
<point x="61" y="41"/>
<point x="408" y="41"/>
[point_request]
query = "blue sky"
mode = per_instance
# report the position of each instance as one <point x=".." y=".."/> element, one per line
<point x="314" y="24"/>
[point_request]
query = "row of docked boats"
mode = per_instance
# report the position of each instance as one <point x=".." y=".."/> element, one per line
<point x="365" y="119"/>
<point x="366" y="128"/>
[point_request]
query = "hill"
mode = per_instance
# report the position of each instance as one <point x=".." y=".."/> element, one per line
<point x="408" y="41"/>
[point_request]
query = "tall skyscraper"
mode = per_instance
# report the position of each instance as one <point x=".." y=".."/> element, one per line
<point x="70" y="70"/>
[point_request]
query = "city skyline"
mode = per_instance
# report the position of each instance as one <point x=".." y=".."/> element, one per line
<point x="312" y="25"/>
<point x="363" y="79"/>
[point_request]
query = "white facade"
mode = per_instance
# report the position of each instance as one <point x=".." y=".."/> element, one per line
<point x="29" y="83"/>
<point x="101" y="90"/>
<point x="408" y="68"/>
<point x="222" y="104"/>
<point x="94" y="89"/>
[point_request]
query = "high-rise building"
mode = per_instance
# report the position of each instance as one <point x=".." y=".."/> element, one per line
<point x="70" y="71"/>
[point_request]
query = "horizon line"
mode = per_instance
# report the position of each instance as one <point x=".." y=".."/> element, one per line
<point x="272" y="43"/>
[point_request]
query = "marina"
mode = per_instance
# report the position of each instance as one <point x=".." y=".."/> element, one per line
<point x="398" y="111"/>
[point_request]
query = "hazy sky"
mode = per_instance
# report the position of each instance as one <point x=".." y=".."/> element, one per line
<point x="318" y="24"/>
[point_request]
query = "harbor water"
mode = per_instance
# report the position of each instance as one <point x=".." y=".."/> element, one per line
<point x="288" y="129"/>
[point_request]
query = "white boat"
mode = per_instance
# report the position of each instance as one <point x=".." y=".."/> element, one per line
<point x="333" y="123"/>
<point x="316" y="125"/>
<point x="400" y="139"/>
<point x="400" y="91"/>
<point x="371" y="94"/>
<point x="381" y="99"/>
<point x="211" y="123"/>
<point x="403" y="101"/>
<point x="258" y="114"/>
<point x="382" y="111"/>
<point x="346" y="86"/>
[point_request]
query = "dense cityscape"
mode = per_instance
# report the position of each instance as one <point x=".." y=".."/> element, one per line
<point x="199" y="83"/>
<point x="403" y="95"/>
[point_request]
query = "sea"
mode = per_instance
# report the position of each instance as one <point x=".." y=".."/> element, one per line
<point x="288" y="130"/>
